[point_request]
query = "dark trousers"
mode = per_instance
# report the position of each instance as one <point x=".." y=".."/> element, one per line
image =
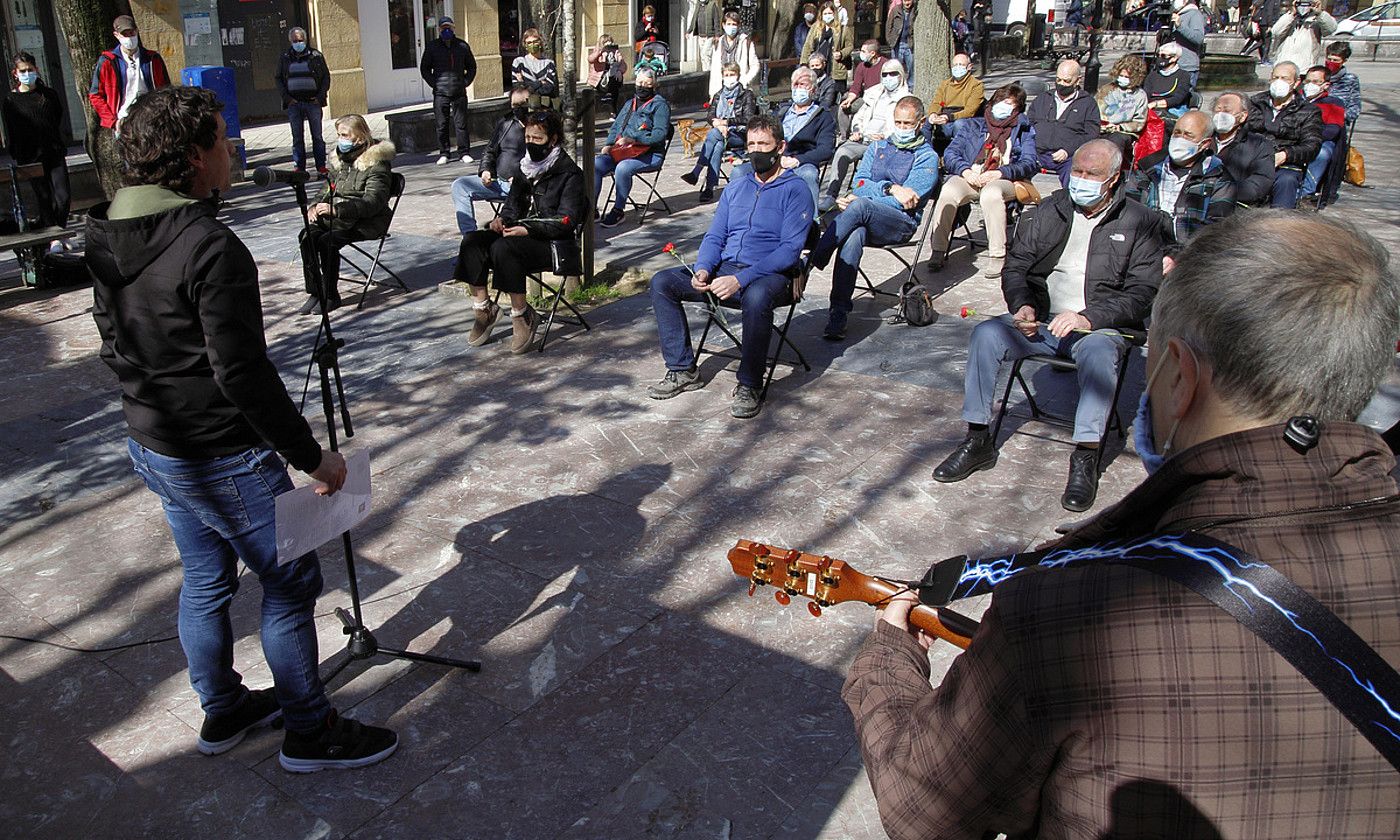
<point x="671" y="286"/>
<point x="53" y="195"/>
<point x="510" y="257"/>
<point x="1060" y="169"/>
<point x="1287" y="181"/>
<point x="320" y="243"/>
<point x="451" y="109"/>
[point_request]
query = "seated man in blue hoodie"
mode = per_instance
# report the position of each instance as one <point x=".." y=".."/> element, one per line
<point x="894" y="180"/>
<point x="636" y="143"/>
<point x="751" y="253"/>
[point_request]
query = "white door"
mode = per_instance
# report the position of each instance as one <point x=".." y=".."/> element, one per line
<point x="393" y="34"/>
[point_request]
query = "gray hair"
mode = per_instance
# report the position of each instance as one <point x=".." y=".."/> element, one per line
<point x="802" y="70"/>
<point x="1239" y="97"/>
<point x="1108" y="148"/>
<point x="644" y="73"/>
<point x="1170" y="48"/>
<point x="1289" y="327"/>
<point x="1297" y="71"/>
<point x="291" y="34"/>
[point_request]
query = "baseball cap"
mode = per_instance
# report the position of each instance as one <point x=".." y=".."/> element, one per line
<point x="123" y="23"/>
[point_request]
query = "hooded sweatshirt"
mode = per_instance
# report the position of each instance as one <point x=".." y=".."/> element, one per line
<point x="175" y="298"/>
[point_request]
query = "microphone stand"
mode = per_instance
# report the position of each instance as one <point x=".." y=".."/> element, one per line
<point x="361" y="643"/>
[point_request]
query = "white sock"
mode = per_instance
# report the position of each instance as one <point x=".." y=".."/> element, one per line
<point x="481" y="304"/>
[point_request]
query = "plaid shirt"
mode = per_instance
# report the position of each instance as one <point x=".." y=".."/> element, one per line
<point x="1109" y="701"/>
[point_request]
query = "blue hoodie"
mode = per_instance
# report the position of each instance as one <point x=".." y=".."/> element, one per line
<point x="761" y="226"/>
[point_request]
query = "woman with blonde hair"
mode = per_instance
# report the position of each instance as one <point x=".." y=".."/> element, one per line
<point x="353" y="206"/>
<point x="833" y="39"/>
<point x="1123" y="103"/>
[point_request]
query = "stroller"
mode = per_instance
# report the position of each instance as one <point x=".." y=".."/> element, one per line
<point x="659" y="60"/>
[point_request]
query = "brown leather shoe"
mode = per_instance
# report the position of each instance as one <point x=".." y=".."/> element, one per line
<point x="523" y="328"/>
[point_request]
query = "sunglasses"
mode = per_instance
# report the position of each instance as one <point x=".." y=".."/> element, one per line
<point x="890" y="75"/>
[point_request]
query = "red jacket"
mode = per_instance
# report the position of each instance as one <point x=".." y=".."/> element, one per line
<point x="109" y="82"/>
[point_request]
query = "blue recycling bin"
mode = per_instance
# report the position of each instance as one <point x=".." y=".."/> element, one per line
<point x="220" y="81"/>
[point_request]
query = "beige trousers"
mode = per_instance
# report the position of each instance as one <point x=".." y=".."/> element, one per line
<point x="993" y="197"/>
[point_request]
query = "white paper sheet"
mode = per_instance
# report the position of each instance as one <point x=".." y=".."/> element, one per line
<point x="307" y="521"/>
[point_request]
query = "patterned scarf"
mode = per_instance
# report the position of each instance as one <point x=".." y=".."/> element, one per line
<point x="998" y="135"/>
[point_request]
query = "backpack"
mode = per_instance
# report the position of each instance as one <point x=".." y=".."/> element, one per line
<point x="915" y="304"/>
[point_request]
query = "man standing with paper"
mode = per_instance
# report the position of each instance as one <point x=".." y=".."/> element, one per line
<point x="177" y="304"/>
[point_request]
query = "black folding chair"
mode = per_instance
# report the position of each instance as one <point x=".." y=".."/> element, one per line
<point x="1062" y="364"/>
<point x="650" y="180"/>
<point x="396" y="187"/>
<point x="896" y="250"/>
<point x="557" y="295"/>
<point x="714" y="317"/>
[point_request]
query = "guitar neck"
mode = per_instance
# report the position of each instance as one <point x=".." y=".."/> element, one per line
<point x="951" y="627"/>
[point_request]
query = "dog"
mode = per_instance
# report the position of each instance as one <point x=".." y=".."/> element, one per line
<point x="692" y="134"/>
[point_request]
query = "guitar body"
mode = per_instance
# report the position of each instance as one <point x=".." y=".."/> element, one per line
<point x="826" y="581"/>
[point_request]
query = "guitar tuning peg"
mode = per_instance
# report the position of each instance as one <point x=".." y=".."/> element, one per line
<point x="815" y="610"/>
<point x="753" y="587"/>
<point x="782" y="597"/>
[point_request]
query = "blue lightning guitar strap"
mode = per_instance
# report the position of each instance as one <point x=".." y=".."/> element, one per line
<point x="1348" y="672"/>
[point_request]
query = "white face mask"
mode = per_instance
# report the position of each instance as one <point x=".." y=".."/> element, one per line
<point x="129" y="44"/>
<point x="1311" y="89"/>
<point x="1224" y="122"/>
<point x="731" y="82"/>
<point x="809" y="17"/>
<point x="959" y="71"/>
<point x="1124" y="81"/>
<point x="1279" y="89"/>
<point x="1181" y="149"/>
<point x="828" y="17"/>
<point x="1002" y="110"/>
<point x="891" y="83"/>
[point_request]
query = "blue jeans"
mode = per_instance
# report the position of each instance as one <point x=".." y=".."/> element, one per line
<point x="622" y="174"/>
<point x="1312" y="177"/>
<point x="470" y="187"/>
<point x="672" y="286"/>
<point x="1287" y="181"/>
<point x="308" y="112"/>
<point x="997" y="341"/>
<point x="905" y="54"/>
<point x="712" y="153"/>
<point x="862" y="222"/>
<point x="221" y="511"/>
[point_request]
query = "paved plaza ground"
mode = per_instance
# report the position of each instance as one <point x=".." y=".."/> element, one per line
<point x="540" y="514"/>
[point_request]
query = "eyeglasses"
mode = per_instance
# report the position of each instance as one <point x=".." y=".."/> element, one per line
<point x="890" y="75"/>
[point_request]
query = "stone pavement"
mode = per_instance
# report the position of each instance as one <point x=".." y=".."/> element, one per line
<point x="538" y="513"/>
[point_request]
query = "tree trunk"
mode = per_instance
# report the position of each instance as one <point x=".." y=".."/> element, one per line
<point x="784" y="15"/>
<point x="568" y="74"/>
<point x="87" y="27"/>
<point x="933" y="47"/>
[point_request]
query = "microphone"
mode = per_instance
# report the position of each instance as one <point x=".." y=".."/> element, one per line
<point x="266" y="176"/>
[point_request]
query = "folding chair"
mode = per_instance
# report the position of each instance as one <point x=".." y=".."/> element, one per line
<point x="558" y="297"/>
<point x="715" y="318"/>
<point x="650" y="180"/>
<point x="895" y="250"/>
<point x="396" y="186"/>
<point x="1065" y="365"/>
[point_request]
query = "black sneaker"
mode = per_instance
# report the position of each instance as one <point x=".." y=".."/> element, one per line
<point x="223" y="733"/>
<point x="747" y="402"/>
<point x="340" y="743"/>
<point x="977" y="452"/>
<point x="692" y="177"/>
<point x="707" y="194"/>
<point x="612" y="218"/>
<point x="675" y="382"/>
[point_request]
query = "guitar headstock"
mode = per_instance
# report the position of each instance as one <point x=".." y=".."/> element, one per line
<point x="823" y="579"/>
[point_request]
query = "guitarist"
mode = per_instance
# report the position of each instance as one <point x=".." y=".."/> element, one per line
<point x="1105" y="700"/>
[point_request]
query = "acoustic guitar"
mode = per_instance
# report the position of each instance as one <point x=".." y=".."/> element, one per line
<point x="826" y="581"/>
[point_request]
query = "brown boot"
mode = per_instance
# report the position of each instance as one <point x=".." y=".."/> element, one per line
<point x="523" y="329"/>
<point x="481" y="328"/>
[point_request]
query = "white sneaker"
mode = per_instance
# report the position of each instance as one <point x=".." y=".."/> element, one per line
<point x="442" y="161"/>
<point x="468" y="159"/>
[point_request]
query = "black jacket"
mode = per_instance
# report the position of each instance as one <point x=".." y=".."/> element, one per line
<point x="1174" y="89"/>
<point x="816" y="142"/>
<point x="449" y="67"/>
<point x="1296" y="130"/>
<point x="1124" y="267"/>
<point x="175" y="298"/>
<point x="745" y="106"/>
<point x="34" y="126"/>
<point x="1249" y="169"/>
<point x="303" y="77"/>
<point x="556" y="196"/>
<point x="825" y="93"/>
<point x="1079" y="125"/>
<point x="507" y="147"/>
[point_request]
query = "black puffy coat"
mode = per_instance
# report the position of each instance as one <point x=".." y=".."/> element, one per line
<point x="1296" y="129"/>
<point x="1121" y="276"/>
<point x="1249" y="169"/>
<point x="449" y="67"/>
<point x="554" y="203"/>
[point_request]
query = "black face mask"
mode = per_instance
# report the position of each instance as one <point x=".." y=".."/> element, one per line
<point x="764" y="162"/>
<point x="644" y="94"/>
<point x="1065" y="90"/>
<point x="537" y="151"/>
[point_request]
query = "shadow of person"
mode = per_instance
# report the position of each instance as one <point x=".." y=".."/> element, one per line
<point x="1147" y="808"/>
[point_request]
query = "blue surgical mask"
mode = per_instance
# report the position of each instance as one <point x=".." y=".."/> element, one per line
<point x="345" y="145"/>
<point x="904" y="136"/>
<point x="1181" y="149"/>
<point x="1085" y="192"/>
<point x="959" y="71"/>
<point x="28" y="77"/>
<point x="891" y="83"/>
<point x="1144" y="440"/>
<point x="1002" y="110"/>
<point x="299" y="46"/>
<point x="446" y="34"/>
<point x="731" y="30"/>
<point x="801" y="96"/>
